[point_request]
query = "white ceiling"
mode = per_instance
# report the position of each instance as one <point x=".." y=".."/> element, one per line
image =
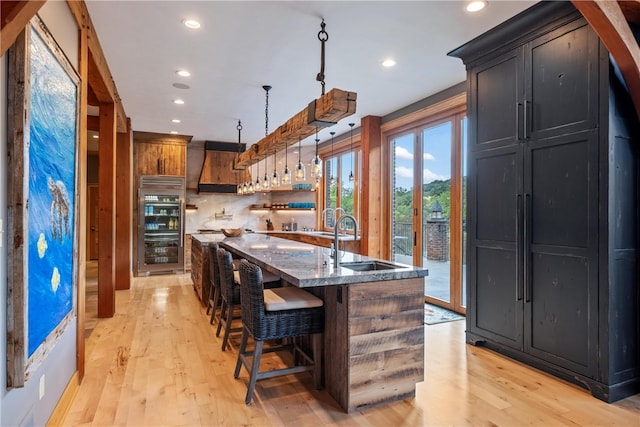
<point x="244" y="45"/>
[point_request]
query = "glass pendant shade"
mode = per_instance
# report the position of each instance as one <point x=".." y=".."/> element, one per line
<point x="351" y="177"/>
<point x="275" y="178"/>
<point x="286" y="175"/>
<point x="250" y="188"/>
<point x="239" y="189"/>
<point x="300" y="172"/>
<point x="316" y="167"/>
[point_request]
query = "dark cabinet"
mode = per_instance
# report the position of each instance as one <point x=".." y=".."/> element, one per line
<point x="552" y="198"/>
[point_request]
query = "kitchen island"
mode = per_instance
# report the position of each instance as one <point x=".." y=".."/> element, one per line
<point x="200" y="263"/>
<point x="374" y="320"/>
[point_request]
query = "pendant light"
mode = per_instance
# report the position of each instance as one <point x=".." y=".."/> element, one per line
<point x="239" y="127"/>
<point x="316" y="163"/>
<point x="300" y="172"/>
<point x="250" y="188"/>
<point x="332" y="178"/>
<point x="351" y="176"/>
<point x="275" y="178"/>
<point x="286" y="173"/>
<point x="265" y="179"/>
<point x="258" y="185"/>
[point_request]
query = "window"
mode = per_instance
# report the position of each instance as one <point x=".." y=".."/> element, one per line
<point x="341" y="195"/>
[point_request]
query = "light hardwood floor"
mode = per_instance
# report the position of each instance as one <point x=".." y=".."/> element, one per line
<point x="157" y="362"/>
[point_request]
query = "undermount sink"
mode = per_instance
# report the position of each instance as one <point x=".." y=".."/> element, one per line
<point x="369" y="265"/>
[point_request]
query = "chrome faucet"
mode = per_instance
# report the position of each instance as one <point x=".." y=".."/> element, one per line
<point x="324" y="219"/>
<point x="336" y="258"/>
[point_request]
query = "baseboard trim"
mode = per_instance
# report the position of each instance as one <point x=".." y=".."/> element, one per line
<point x="64" y="404"/>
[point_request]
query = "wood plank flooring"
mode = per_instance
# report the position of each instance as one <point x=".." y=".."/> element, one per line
<point x="158" y="362"/>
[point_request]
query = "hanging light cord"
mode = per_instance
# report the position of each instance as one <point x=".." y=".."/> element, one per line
<point x="323" y="36"/>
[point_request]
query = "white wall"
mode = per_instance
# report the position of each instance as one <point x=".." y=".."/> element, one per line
<point x="22" y="406"/>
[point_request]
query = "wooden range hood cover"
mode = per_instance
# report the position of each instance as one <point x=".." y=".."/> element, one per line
<point x="322" y="112"/>
<point x="217" y="174"/>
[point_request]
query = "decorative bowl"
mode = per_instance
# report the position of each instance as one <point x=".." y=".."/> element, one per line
<point x="232" y="232"/>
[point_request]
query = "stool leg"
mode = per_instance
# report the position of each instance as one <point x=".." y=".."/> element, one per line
<point x="242" y="351"/>
<point x="253" y="375"/>
<point x="223" y="306"/>
<point x="227" y="326"/>
<point x="317" y="360"/>
<point x="216" y="298"/>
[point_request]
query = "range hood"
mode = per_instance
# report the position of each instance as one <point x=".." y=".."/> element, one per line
<point x="217" y="174"/>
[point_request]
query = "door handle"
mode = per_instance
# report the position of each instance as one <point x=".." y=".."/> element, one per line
<point x="415" y="238"/>
<point x="527" y="248"/>
<point x="518" y="122"/>
<point x="526" y="119"/>
<point x="519" y="278"/>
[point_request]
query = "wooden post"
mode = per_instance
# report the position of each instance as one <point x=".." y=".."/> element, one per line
<point x="106" y="211"/>
<point x="374" y="194"/>
<point x="83" y="68"/>
<point x="124" y="154"/>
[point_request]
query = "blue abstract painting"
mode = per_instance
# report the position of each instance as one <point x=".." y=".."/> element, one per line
<point x="52" y="153"/>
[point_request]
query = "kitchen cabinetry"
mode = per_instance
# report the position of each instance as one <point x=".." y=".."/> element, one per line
<point x="199" y="267"/>
<point x="553" y="201"/>
<point x="160" y="154"/>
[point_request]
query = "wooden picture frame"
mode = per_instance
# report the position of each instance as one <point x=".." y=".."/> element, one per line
<point x="43" y="120"/>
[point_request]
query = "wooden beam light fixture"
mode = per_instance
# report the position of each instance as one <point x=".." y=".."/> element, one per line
<point x="325" y="111"/>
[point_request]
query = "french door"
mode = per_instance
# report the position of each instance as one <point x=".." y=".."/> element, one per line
<point x="427" y="209"/>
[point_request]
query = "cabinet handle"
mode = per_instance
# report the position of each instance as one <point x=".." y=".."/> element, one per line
<point x="526" y="119"/>
<point x="519" y="279"/>
<point x="527" y="247"/>
<point x="415" y="238"/>
<point x="518" y="122"/>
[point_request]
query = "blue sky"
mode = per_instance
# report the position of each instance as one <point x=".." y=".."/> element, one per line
<point x="436" y="158"/>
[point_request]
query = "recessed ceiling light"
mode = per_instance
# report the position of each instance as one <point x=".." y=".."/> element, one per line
<point x="388" y="63"/>
<point x="180" y="86"/>
<point x="95" y="137"/>
<point x="183" y="73"/>
<point x="178" y="101"/>
<point x="476" y="5"/>
<point x="191" y="24"/>
<point x="175" y="120"/>
<point x="174" y="132"/>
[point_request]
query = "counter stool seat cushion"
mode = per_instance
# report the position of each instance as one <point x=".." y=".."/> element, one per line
<point x="289" y="298"/>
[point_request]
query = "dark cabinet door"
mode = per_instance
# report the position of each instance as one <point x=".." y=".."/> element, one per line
<point x="561" y="70"/>
<point x="496" y="102"/>
<point x="561" y="250"/>
<point x="495" y="263"/>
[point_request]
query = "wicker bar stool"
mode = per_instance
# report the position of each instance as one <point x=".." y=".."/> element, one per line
<point x="270" y="314"/>
<point x="215" y="297"/>
<point x="230" y="293"/>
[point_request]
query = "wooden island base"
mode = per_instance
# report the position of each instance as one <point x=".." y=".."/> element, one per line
<point x="374" y="342"/>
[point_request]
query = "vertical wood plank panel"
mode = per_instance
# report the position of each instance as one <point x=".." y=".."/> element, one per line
<point x="106" y="211"/>
<point x="372" y="187"/>
<point x="83" y="68"/>
<point x="17" y="131"/>
<point x="124" y="154"/>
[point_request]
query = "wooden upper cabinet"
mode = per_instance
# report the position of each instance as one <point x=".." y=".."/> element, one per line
<point x="160" y="154"/>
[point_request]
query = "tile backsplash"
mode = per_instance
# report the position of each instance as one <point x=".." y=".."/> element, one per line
<point x="209" y="214"/>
